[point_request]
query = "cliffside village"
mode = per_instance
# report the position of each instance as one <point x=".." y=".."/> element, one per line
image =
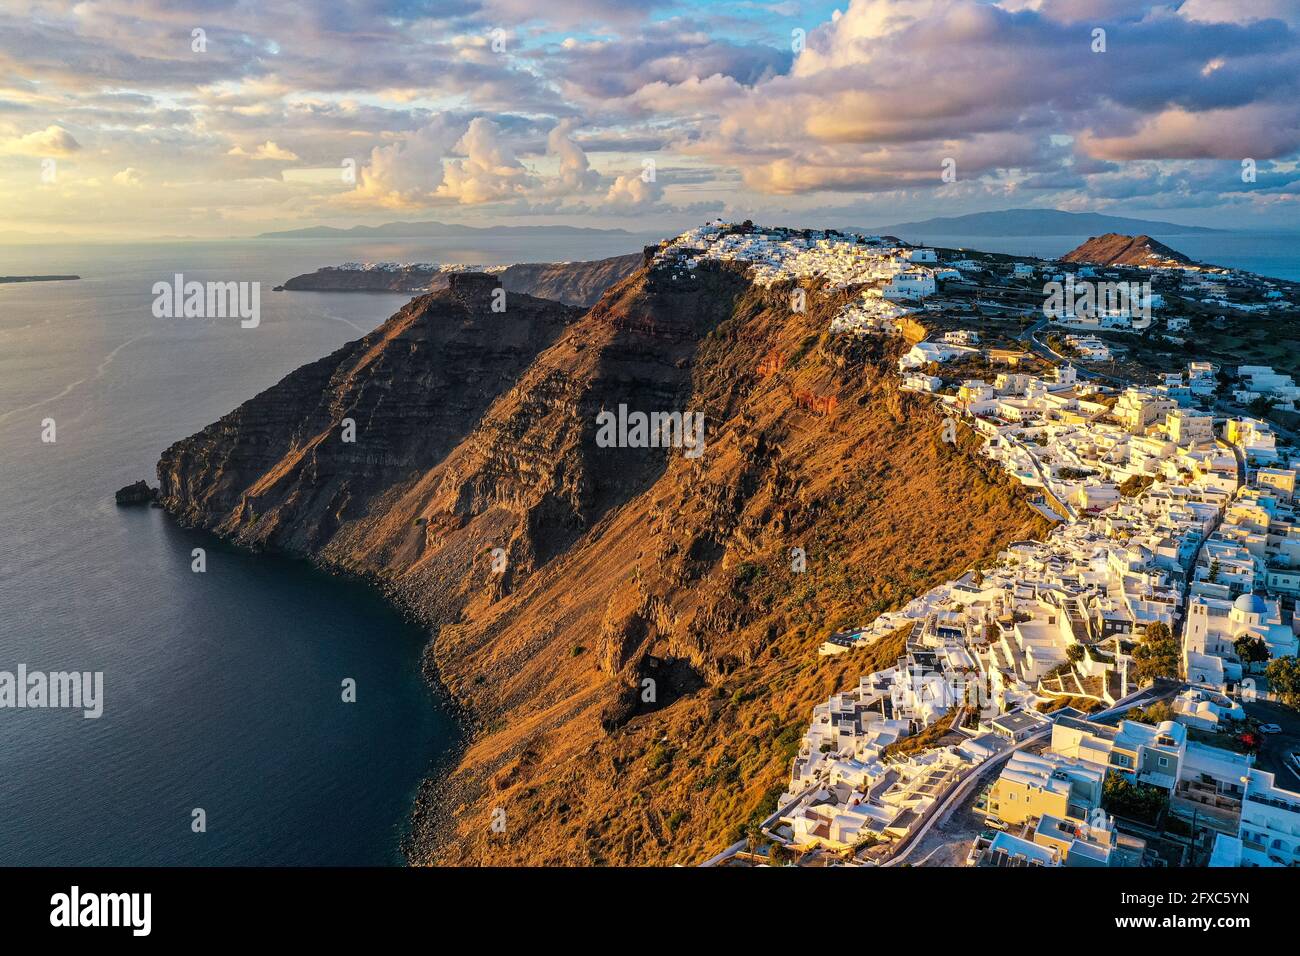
<point x="1019" y="720"/>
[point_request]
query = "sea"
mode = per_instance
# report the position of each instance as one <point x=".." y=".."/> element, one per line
<point x="224" y="737"/>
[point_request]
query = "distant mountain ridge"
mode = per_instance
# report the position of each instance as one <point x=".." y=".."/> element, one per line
<point x="415" y="230"/>
<point x="1036" y="222"/>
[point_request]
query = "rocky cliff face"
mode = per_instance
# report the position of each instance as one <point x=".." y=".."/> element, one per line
<point x="573" y="283"/>
<point x="633" y="630"/>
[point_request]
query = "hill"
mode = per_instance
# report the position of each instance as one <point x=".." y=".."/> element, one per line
<point x="1114" y="249"/>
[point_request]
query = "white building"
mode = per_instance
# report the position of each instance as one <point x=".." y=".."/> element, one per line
<point x="912" y="284"/>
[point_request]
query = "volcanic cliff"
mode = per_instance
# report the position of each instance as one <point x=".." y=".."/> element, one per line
<point x="633" y="632"/>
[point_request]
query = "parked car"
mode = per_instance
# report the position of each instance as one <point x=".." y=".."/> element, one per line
<point x="1270" y="729"/>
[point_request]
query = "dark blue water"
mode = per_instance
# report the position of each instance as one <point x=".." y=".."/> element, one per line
<point x="223" y="689"/>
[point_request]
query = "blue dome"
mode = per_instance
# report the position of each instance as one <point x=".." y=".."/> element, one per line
<point x="1251" y="603"/>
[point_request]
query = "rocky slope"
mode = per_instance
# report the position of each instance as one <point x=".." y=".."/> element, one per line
<point x="639" y="669"/>
<point x="573" y="283"/>
<point x="1114" y="249"/>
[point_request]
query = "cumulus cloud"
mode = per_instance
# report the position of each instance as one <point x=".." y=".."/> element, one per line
<point x="490" y="171"/>
<point x="268" y="150"/>
<point x="128" y="177"/>
<point x="51" y="141"/>
<point x="575" y="172"/>
<point x="408" y="171"/>
<point x="631" y="192"/>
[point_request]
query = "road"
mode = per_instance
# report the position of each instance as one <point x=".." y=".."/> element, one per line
<point x="958" y="802"/>
<point x="1275" y="747"/>
<point x="1030" y="337"/>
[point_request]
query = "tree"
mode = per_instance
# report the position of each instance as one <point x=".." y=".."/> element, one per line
<point x="1251" y="649"/>
<point x="1137" y="801"/>
<point x="1261" y="406"/>
<point x="1074" y="653"/>
<point x="1135" y="485"/>
<point x="753" y="837"/>
<point x="1283" y="675"/>
<point x="1155" y="715"/>
<point x="1158" y="630"/>
<point x="1157" y="655"/>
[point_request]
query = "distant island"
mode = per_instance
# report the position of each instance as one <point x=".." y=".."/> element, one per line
<point x="573" y="283"/>
<point x="418" y="230"/>
<point x="4" y="279"/>
<point x="1037" y="222"/>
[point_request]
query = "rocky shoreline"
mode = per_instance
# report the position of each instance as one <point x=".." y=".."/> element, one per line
<point x="138" y="493"/>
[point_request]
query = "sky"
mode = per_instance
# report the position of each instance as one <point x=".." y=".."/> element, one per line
<point x="126" y="119"/>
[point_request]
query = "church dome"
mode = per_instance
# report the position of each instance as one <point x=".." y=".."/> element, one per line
<point x="1250" y="603"/>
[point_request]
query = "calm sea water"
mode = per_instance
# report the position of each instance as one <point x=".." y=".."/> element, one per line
<point x="223" y="689"/>
<point x="1274" y="254"/>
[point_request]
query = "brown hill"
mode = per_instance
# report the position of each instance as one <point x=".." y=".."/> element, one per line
<point x="1114" y="249"/>
<point x="639" y="676"/>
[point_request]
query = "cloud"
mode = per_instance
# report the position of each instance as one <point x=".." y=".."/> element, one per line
<point x="631" y="192"/>
<point x="407" y="172"/>
<point x="882" y="93"/>
<point x="887" y="90"/>
<point x="489" y="170"/>
<point x="1212" y="134"/>
<point x="51" y="141"/>
<point x="267" y="150"/>
<point x="575" y="172"/>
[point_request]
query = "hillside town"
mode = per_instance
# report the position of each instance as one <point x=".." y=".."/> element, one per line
<point x="1096" y="698"/>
